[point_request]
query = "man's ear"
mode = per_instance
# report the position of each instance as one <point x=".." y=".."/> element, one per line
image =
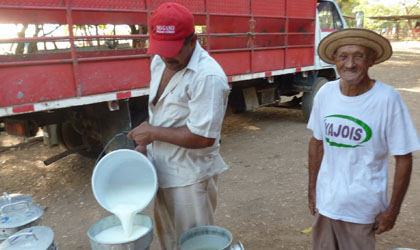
<point x="372" y="58"/>
<point x="334" y="56"/>
<point x="193" y="39"/>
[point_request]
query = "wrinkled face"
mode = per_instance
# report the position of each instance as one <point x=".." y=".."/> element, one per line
<point x="181" y="60"/>
<point x="353" y="62"/>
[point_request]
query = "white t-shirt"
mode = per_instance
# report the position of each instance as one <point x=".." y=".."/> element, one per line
<point x="196" y="97"/>
<point x="358" y="132"/>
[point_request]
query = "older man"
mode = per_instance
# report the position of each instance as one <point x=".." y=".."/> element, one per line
<point x="356" y="122"/>
<point x="187" y="103"/>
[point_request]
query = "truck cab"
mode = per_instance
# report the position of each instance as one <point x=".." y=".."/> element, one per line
<point x="330" y="19"/>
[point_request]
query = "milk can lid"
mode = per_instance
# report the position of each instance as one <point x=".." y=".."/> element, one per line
<point x="12" y="198"/>
<point x="34" y="238"/>
<point x="13" y="215"/>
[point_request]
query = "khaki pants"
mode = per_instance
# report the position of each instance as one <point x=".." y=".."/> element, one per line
<point x="329" y="234"/>
<point x="178" y="209"/>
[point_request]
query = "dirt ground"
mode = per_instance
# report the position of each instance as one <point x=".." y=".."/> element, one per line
<point x="262" y="198"/>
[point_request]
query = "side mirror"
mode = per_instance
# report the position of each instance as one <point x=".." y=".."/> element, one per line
<point x="338" y="25"/>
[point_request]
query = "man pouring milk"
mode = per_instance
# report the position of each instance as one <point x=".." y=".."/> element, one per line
<point x="187" y="103"/>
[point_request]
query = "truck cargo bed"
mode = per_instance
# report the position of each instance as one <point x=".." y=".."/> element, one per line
<point x="244" y="36"/>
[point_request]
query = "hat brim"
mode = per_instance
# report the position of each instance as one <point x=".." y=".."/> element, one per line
<point x="329" y="45"/>
<point x="165" y="48"/>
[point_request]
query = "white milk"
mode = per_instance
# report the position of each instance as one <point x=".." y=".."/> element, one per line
<point x="126" y="213"/>
<point x="117" y="234"/>
<point x="205" y="242"/>
<point x="125" y="201"/>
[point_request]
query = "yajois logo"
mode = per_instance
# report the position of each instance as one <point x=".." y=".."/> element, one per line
<point x="346" y="131"/>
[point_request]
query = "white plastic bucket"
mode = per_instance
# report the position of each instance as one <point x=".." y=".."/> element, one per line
<point x="124" y="177"/>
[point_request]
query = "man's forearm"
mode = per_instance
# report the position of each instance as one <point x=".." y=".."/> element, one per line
<point x="385" y="221"/>
<point x="316" y="152"/>
<point x="182" y="137"/>
<point x="403" y="167"/>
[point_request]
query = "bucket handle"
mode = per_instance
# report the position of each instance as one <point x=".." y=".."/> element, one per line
<point x="7" y="197"/>
<point x="238" y="246"/>
<point x="107" y="144"/>
<point x="13" y="238"/>
<point x="14" y="204"/>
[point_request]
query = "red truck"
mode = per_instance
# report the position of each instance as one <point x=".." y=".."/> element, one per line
<point x="79" y="68"/>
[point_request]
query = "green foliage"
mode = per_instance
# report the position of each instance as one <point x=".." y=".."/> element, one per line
<point x="347" y="6"/>
<point x="373" y="8"/>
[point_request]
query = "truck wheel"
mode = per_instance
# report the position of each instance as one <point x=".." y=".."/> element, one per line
<point x="70" y="138"/>
<point x="236" y="102"/>
<point x="308" y="97"/>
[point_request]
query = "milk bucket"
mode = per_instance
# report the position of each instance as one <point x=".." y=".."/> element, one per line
<point x="208" y="238"/>
<point x="16" y="213"/>
<point x="33" y="238"/>
<point x="141" y="243"/>
<point x="124" y="182"/>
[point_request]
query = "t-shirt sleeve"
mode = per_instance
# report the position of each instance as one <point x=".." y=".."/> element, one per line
<point x="401" y="134"/>
<point x="208" y="101"/>
<point x="315" y="122"/>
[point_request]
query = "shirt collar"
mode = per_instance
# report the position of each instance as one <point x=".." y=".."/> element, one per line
<point x="193" y="63"/>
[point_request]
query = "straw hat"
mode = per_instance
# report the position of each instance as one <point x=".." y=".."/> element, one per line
<point x="329" y="45"/>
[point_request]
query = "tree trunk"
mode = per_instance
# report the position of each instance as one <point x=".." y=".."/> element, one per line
<point x="33" y="46"/>
<point x="20" y="48"/>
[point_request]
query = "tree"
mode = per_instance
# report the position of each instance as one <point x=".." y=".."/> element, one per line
<point x="410" y="9"/>
<point x="347" y="6"/>
<point x="388" y="8"/>
<point x="21" y="46"/>
<point x="32" y="46"/>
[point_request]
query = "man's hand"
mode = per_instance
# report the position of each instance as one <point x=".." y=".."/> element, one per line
<point x="312" y="201"/>
<point x="403" y="165"/>
<point x="142" y="135"/>
<point x="385" y="221"/>
<point x="142" y="149"/>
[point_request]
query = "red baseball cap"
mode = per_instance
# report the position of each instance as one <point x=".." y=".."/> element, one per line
<point x="169" y="25"/>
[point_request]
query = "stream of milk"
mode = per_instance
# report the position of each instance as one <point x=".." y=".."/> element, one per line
<point x="125" y="201"/>
<point x="126" y="213"/>
<point x="116" y="234"/>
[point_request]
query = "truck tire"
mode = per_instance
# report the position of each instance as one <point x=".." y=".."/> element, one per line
<point x="308" y="97"/>
<point x="236" y="101"/>
<point x="69" y="138"/>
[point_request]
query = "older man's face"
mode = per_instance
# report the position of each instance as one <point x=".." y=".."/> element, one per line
<point x="353" y="63"/>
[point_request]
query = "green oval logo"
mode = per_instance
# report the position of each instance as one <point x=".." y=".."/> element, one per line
<point x="337" y="133"/>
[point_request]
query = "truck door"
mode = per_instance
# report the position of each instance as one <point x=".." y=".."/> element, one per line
<point x="330" y="20"/>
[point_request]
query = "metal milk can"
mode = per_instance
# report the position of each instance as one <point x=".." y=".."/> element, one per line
<point x="33" y="238"/>
<point x="16" y="213"/>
